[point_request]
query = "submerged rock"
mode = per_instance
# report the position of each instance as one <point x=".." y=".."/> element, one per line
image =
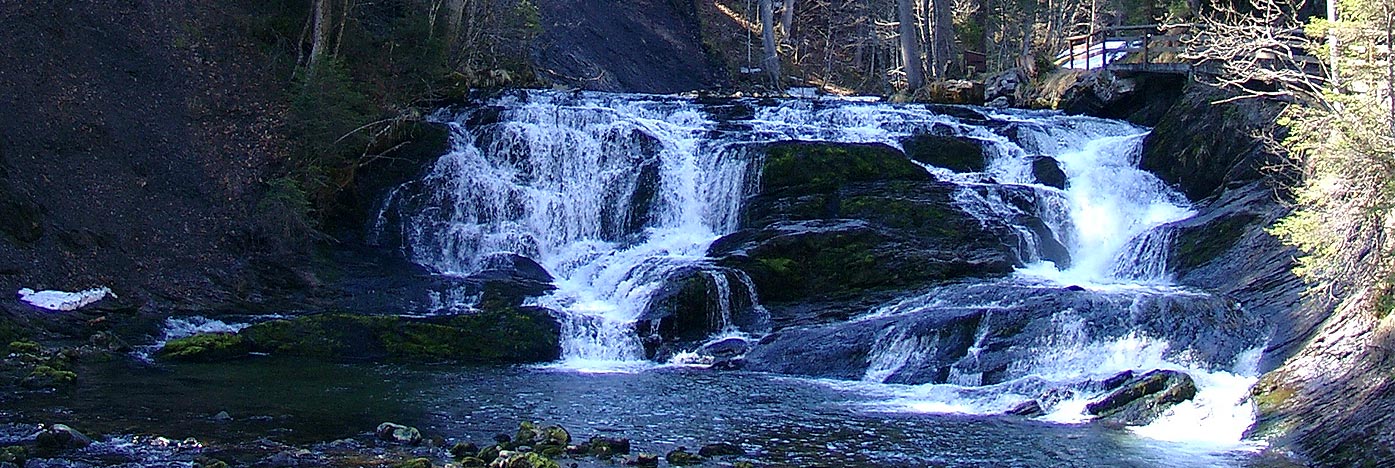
<point x="398" y="433"/>
<point x="682" y="457"/>
<point x="720" y="449"/>
<point x="1142" y="399"/>
<point x="59" y="437"/>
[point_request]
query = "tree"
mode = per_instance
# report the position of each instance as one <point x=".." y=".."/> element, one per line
<point x="771" y="60"/>
<point x="910" y="44"/>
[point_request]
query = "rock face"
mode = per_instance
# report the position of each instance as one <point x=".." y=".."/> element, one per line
<point x="959" y="154"/>
<point x="693" y="304"/>
<point x="844" y="222"/>
<point x="949" y="320"/>
<point x="1201" y="147"/>
<point x="647" y="47"/>
<point x="1142" y="399"/>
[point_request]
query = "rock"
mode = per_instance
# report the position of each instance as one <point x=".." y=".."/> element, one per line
<point x="1047" y="170"/>
<point x="25" y="347"/>
<point x="504" y="335"/>
<point x="1117" y="380"/>
<point x="222" y="416"/>
<point x="726" y="348"/>
<point x="1006" y="88"/>
<point x="1201" y="147"/>
<point x="472" y="462"/>
<point x="720" y="449"/>
<point x="728" y="364"/>
<point x="1000" y="102"/>
<point x="1142" y="399"/>
<point x="681" y="457"/>
<point x="548" y="436"/>
<point x="398" y="433"/>
<point x="606" y="447"/>
<point x="59" y="437"/>
<point x="205" y="347"/>
<point x="1029" y="408"/>
<point x="689" y="307"/>
<point x="490" y="453"/>
<point x="15" y="455"/>
<point x="44" y="376"/>
<point x="414" y="463"/>
<point x="509" y="459"/>
<point x="956" y="153"/>
<point x="644" y="460"/>
<point x="464" y="449"/>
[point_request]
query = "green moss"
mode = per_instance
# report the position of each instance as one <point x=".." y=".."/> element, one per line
<point x="207" y="347"/>
<point x="48" y="377"/>
<point x="901" y="214"/>
<point x="25" y="347"/>
<point x="1195" y="247"/>
<point x="954" y="153"/>
<point x="823" y="167"/>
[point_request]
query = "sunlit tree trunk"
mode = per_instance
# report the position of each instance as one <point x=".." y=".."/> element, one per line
<point x="321" y="23"/>
<point x="787" y="21"/>
<point x="910" y="45"/>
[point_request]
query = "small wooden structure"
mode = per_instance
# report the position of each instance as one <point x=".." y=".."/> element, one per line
<point x="1143" y="48"/>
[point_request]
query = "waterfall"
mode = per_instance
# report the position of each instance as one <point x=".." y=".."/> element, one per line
<point x="614" y="194"/>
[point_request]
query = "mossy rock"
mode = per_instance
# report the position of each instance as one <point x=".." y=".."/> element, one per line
<point x="25" y="347"/>
<point x="15" y="454"/>
<point x="959" y="154"/>
<point x="1196" y="246"/>
<point x="810" y="167"/>
<point x="206" y="347"/>
<point x="510" y="335"/>
<point x="414" y="463"/>
<point x="48" y="377"/>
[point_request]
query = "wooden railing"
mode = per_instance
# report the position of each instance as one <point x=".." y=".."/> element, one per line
<point x="1151" y="47"/>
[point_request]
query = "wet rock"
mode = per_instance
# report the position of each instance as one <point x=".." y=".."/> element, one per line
<point x="842" y="223"/>
<point x="44" y="376"/>
<point x="1142" y="399"/>
<point x="1117" y="380"/>
<point x="490" y="453"/>
<point x="606" y="447"/>
<point x="682" y="457"/>
<point x="472" y="462"/>
<point x="511" y="459"/>
<point x="14" y="455"/>
<point x="464" y="449"/>
<point x="1029" y="408"/>
<point x="547" y="436"/>
<point x="222" y="416"/>
<point x="59" y="437"/>
<point x="720" y="449"/>
<point x="25" y="347"/>
<point x="726" y="348"/>
<point x="414" y="463"/>
<point x="206" y="347"/>
<point x="956" y="153"/>
<point x="1047" y="170"/>
<point x="397" y="433"/>
<point x="644" y="460"/>
<point x="693" y="304"/>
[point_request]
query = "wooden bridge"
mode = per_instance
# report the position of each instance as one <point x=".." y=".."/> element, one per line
<point x="1154" y="48"/>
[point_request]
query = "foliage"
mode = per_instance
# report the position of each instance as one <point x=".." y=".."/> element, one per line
<point x="1343" y="139"/>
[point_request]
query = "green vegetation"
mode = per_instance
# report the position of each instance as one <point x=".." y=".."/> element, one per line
<point x="208" y="347"/>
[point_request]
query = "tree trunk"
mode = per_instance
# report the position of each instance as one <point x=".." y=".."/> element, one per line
<point x="910" y="45"/>
<point x="771" y="61"/>
<point x="946" y="60"/>
<point x="787" y="21"/>
<point x="455" y="15"/>
<point x="319" y="36"/>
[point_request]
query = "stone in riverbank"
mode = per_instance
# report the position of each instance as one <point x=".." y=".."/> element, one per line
<point x="1142" y="399"/>
<point x="398" y="433"/>
<point x="59" y="437"/>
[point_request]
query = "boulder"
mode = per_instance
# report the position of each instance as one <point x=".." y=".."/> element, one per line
<point x="205" y="347"/>
<point x="1047" y="171"/>
<point x="510" y="459"/>
<point x="397" y="433"/>
<point x="60" y="437"/>
<point x="45" y="376"/>
<point x="606" y="447"/>
<point x="1005" y="89"/>
<point x="1142" y="399"/>
<point x="682" y="457"/>
<point x="463" y="450"/>
<point x="693" y="304"/>
<point x="644" y="460"/>
<point x="956" y="153"/>
<point x="1029" y="408"/>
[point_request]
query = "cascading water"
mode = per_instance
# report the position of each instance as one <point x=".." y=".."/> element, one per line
<point x="615" y="194"/>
